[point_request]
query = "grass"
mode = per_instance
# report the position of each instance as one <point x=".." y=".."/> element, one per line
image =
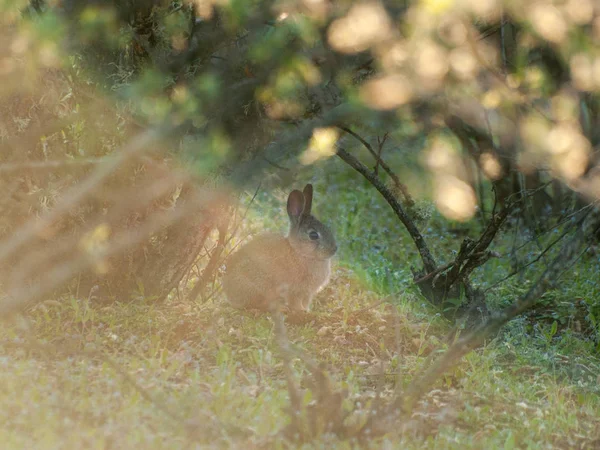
<point x="219" y="375"/>
<point x="78" y="374"/>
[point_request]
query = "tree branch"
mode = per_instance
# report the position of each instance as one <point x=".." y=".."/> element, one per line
<point x="428" y="261"/>
<point x="380" y="162"/>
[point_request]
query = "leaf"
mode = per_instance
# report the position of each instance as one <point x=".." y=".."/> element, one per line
<point x="554" y="328"/>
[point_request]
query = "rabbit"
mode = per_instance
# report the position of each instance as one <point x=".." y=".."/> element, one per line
<point x="274" y="271"/>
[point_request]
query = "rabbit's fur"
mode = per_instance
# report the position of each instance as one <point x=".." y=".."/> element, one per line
<point x="283" y="271"/>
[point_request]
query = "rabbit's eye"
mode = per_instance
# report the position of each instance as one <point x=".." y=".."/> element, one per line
<point x="313" y="235"/>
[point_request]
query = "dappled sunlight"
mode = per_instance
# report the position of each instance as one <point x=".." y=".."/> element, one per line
<point x="580" y="12"/>
<point x="463" y="63"/>
<point x="317" y="9"/>
<point x="95" y="243"/>
<point x="489" y="9"/>
<point x="572" y="164"/>
<point x="586" y="71"/>
<point x="491" y="166"/>
<point x="431" y="63"/>
<point x="365" y="25"/>
<point x="564" y="138"/>
<point x="562" y="147"/>
<point x="454" y="198"/>
<point x="393" y="55"/>
<point x="443" y="157"/>
<point x="321" y="145"/>
<point x="548" y="21"/>
<point x="206" y="8"/>
<point x="387" y="93"/>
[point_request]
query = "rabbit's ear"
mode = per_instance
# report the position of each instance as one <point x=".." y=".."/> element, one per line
<point x="295" y="205"/>
<point x="308" y="195"/>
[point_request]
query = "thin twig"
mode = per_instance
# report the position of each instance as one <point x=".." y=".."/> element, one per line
<point x="500" y="77"/>
<point x="380" y="144"/>
<point x="428" y="261"/>
<point x="533" y="261"/>
<point x="213" y="261"/>
<point x="434" y="273"/>
<point x="380" y="162"/>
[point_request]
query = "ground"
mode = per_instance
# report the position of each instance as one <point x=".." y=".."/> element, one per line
<point x="76" y="374"/>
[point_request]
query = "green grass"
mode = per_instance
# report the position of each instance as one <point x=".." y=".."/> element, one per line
<point x="193" y="375"/>
<point x="219" y="373"/>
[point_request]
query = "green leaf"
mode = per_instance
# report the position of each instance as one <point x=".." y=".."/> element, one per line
<point x="554" y="328"/>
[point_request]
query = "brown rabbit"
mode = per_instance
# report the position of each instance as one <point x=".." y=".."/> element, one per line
<point x="274" y="270"/>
